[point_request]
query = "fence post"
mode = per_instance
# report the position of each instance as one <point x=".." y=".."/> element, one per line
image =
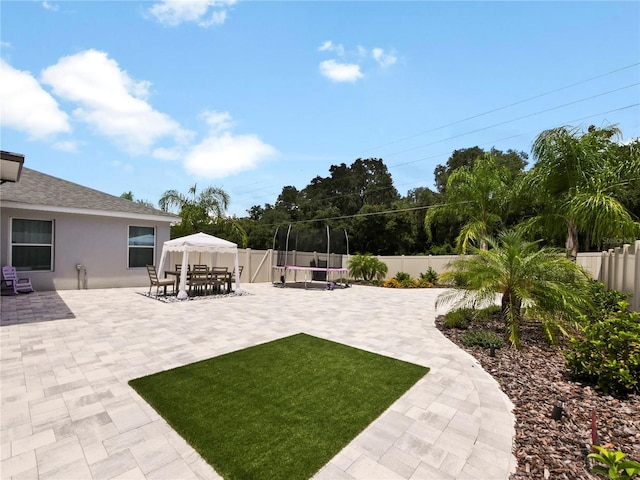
<point x="247" y="263"/>
<point x="625" y="260"/>
<point x="604" y="267"/>
<point x="611" y="271"/>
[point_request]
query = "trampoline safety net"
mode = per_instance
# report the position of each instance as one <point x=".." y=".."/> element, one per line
<point x="319" y="247"/>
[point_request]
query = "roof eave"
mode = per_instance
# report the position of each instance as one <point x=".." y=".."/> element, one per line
<point x="87" y="211"/>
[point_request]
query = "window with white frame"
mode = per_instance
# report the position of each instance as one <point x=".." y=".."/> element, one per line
<point x="32" y="244"/>
<point x="142" y="243"/>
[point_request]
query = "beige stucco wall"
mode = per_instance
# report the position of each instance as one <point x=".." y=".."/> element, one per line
<point x="99" y="243"/>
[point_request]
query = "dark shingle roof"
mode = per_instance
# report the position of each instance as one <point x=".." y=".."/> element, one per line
<point x="36" y="188"/>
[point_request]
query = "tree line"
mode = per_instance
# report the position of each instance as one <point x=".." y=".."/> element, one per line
<point x="582" y="192"/>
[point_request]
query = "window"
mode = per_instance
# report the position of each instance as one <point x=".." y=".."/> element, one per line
<point x="142" y="242"/>
<point x="32" y="244"/>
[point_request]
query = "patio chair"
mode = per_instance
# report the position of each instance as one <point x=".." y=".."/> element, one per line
<point x="199" y="281"/>
<point x="159" y="282"/>
<point x="11" y="280"/>
<point x="219" y="282"/>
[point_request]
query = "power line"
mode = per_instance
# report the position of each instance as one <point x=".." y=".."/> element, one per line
<point x="426" y="206"/>
<point x="355" y="215"/>
<point x="504" y="107"/>
<point x="517" y="135"/>
<point x="493" y="142"/>
<point x="514" y="119"/>
<point x="489" y="112"/>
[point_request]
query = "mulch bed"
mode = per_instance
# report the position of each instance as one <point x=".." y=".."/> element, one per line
<point x="533" y="378"/>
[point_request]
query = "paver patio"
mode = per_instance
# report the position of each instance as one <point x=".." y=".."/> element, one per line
<point x="67" y="411"/>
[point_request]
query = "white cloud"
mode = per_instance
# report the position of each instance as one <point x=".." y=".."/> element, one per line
<point x="4" y="44"/>
<point x="340" y="72"/>
<point x="202" y="12"/>
<point x="329" y="46"/>
<point x="50" y="6"/>
<point x="110" y="101"/>
<point x="27" y="107"/>
<point x="222" y="153"/>
<point x="351" y="71"/>
<point x="66" y="146"/>
<point x="384" y="59"/>
<point x="218" y="156"/>
<point x="326" y="46"/>
<point x="217" y="121"/>
<point x="163" y="153"/>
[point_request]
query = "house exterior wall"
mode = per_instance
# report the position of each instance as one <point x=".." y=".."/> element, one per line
<point x="98" y="243"/>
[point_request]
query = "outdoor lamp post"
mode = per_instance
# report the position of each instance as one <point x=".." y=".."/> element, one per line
<point x="492" y="350"/>
<point x="558" y="408"/>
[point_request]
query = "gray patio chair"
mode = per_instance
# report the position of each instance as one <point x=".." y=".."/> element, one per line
<point x="199" y="281"/>
<point x="159" y="282"/>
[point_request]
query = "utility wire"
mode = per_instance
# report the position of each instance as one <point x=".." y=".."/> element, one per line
<point x="503" y="107"/>
<point x="515" y="136"/>
<point x="493" y="142"/>
<point x="514" y="119"/>
<point x="485" y="113"/>
<point x="425" y="206"/>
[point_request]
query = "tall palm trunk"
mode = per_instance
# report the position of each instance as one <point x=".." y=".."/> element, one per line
<point x="512" y="314"/>
<point x="572" y="241"/>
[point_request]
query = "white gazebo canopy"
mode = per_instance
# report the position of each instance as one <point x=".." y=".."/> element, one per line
<point x="198" y="242"/>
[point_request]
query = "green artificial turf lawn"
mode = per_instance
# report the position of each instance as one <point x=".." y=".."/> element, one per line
<point x="279" y="410"/>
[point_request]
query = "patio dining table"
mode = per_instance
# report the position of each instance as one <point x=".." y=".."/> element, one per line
<point x="213" y="273"/>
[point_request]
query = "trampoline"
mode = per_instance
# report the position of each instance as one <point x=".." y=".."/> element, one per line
<point x="315" y="254"/>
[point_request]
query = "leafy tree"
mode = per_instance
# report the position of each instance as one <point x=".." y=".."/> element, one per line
<point x="538" y="282"/>
<point x="384" y="233"/>
<point x="202" y="212"/>
<point x="514" y="162"/>
<point x="463" y="157"/>
<point x="581" y="183"/>
<point x="129" y="196"/>
<point x="474" y="195"/>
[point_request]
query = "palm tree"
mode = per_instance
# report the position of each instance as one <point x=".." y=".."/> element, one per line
<point x="580" y="180"/>
<point x="197" y="209"/>
<point x="367" y="267"/>
<point x="476" y="196"/>
<point x="539" y="282"/>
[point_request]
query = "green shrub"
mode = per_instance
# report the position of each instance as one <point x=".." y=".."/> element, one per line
<point x="608" y="355"/>
<point x="409" y="283"/>
<point x="430" y="276"/>
<point x="402" y="276"/>
<point x="460" y="279"/>
<point x="605" y="301"/>
<point x="367" y="267"/>
<point x="614" y="464"/>
<point x="484" y="314"/>
<point x="422" y="283"/>
<point x="481" y="338"/>
<point x="459" y="318"/>
<point x="391" y="283"/>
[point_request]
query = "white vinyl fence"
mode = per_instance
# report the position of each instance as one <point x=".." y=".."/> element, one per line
<point x="618" y="268"/>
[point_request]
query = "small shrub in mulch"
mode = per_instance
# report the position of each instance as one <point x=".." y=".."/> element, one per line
<point x="534" y="378"/>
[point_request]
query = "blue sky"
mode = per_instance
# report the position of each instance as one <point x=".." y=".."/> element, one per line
<point x="251" y="96"/>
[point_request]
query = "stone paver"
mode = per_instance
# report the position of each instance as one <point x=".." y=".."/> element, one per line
<point x="68" y="412"/>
